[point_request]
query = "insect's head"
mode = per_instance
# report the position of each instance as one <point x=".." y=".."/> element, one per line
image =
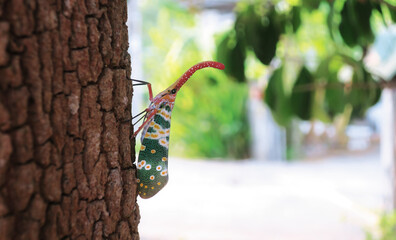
<point x="166" y="97"/>
<point x="171" y="92"/>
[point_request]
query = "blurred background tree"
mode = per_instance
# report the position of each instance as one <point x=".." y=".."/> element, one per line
<point x="314" y="52"/>
<point x="313" y="42"/>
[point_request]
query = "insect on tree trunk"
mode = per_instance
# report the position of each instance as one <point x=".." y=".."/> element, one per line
<point x="66" y="165"/>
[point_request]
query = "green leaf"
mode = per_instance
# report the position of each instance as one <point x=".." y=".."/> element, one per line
<point x="364" y="93"/>
<point x="363" y="10"/>
<point x="347" y="25"/>
<point x="302" y="98"/>
<point x="231" y="52"/>
<point x="335" y="97"/>
<point x="392" y="12"/>
<point x="378" y="7"/>
<point x="264" y="42"/>
<point x="261" y="33"/>
<point x="355" y="26"/>
<point x="277" y="99"/>
<point x="296" y="18"/>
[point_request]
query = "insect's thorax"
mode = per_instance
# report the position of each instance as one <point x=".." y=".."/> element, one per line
<point x="158" y="128"/>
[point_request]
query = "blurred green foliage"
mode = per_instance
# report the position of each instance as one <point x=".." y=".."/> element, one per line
<point x="209" y="117"/>
<point x="387" y="228"/>
<point x="307" y="45"/>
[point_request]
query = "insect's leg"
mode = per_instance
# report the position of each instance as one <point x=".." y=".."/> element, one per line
<point x="150" y="92"/>
<point x="150" y="116"/>
<point x="140" y="82"/>
<point x="137" y="115"/>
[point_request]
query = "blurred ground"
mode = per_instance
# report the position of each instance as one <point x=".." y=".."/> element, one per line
<point x="333" y="198"/>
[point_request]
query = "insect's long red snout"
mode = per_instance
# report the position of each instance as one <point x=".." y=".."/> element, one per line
<point x="183" y="79"/>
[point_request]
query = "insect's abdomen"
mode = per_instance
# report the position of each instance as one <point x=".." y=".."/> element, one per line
<point x="152" y="163"/>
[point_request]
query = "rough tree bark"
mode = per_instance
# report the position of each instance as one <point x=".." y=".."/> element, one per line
<point x="66" y="165"/>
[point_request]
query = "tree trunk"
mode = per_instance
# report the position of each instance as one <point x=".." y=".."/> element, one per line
<point x="66" y="165"/>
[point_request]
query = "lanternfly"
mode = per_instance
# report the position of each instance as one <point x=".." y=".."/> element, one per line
<point x="152" y="164"/>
